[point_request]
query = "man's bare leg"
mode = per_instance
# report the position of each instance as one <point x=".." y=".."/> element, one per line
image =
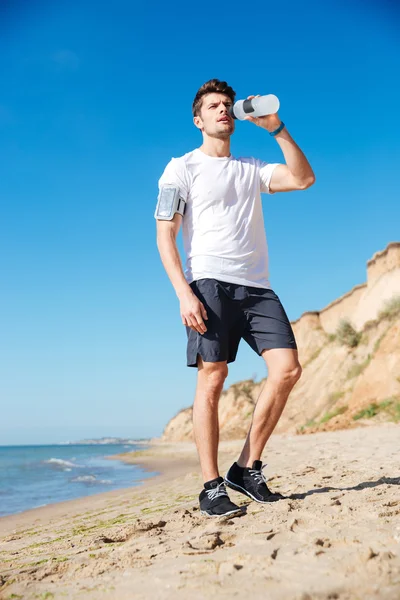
<point x="284" y="371"/>
<point x="210" y="382"/>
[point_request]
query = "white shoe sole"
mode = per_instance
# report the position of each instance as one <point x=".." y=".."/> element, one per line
<point x="238" y="488"/>
<point x="232" y="512"/>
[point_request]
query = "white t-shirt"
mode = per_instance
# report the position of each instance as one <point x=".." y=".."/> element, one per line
<point x="223" y="225"/>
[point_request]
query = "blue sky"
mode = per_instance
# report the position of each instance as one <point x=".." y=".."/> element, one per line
<point x="94" y="101"/>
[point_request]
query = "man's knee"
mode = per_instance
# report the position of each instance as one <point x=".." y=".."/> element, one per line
<point x="296" y="372"/>
<point x="287" y="374"/>
<point x="213" y="374"/>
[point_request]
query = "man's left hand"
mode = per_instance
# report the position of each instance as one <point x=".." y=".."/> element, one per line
<point x="268" y="122"/>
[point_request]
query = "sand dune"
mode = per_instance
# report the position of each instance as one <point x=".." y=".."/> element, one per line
<point x="337" y="536"/>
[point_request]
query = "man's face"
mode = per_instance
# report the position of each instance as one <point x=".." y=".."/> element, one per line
<point x="215" y="119"/>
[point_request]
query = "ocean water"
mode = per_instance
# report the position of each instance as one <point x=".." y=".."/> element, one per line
<point x="32" y="476"/>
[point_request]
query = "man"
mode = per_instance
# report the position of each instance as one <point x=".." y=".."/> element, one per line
<point x="225" y="293"/>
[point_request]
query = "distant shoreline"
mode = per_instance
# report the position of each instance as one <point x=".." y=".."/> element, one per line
<point x="141" y="442"/>
<point x="107" y="442"/>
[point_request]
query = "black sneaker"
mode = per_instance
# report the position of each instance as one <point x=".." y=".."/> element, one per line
<point x="214" y="500"/>
<point x="251" y="482"/>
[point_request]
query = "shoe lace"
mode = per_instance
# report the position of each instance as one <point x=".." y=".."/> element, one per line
<point x="258" y="475"/>
<point x="219" y="490"/>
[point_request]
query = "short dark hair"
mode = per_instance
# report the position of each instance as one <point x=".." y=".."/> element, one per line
<point x="210" y="87"/>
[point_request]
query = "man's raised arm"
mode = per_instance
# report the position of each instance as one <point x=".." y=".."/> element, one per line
<point x="297" y="173"/>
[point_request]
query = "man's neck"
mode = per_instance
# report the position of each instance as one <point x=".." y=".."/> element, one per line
<point x="216" y="147"/>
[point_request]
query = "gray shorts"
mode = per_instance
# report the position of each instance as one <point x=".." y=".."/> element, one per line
<point x="234" y="312"/>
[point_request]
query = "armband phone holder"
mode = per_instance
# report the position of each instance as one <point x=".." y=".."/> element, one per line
<point x="169" y="203"/>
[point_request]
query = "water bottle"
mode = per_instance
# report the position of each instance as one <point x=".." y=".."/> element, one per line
<point x="256" y="107"/>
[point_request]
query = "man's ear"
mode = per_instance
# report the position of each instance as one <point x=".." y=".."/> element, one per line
<point x="198" y="122"/>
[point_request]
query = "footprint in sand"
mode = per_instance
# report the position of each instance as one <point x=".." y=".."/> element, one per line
<point x="208" y="542"/>
<point x="126" y="533"/>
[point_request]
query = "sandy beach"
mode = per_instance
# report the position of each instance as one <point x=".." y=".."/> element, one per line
<point x="336" y="536"/>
